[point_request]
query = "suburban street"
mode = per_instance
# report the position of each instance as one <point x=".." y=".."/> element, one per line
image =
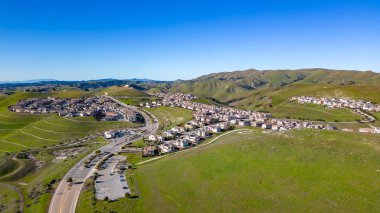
<point x="66" y="195"/>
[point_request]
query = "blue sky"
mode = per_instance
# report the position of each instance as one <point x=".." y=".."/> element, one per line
<point x="168" y="40"/>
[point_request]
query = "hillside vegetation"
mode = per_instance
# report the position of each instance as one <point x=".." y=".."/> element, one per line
<point x="270" y="90"/>
<point x="292" y="171"/>
<point x="238" y="85"/>
<point x="123" y="91"/>
<point x="169" y="117"/>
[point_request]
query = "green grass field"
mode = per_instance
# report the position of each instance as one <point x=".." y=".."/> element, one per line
<point x="123" y="91"/>
<point x="312" y="112"/>
<point x="8" y="200"/>
<point x="296" y="171"/>
<point x="135" y="101"/>
<point x="377" y="115"/>
<point x="169" y="117"/>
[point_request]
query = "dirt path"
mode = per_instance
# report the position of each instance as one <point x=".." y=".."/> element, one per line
<point x="45" y="139"/>
<point x="45" y="130"/>
<point x="21" y="197"/>
<point x="4" y="141"/>
<point x="54" y="124"/>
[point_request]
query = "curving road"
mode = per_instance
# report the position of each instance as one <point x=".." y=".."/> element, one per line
<point x="66" y="195"/>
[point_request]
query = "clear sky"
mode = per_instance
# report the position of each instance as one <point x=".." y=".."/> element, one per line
<point x="183" y="39"/>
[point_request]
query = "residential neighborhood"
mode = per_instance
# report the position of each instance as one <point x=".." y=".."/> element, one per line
<point x="338" y="103"/>
<point x="210" y="119"/>
<point x="100" y="107"/>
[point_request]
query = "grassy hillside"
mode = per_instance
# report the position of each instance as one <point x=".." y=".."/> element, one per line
<point x="283" y="172"/>
<point x="123" y="91"/>
<point x="276" y="100"/>
<point x="270" y="90"/>
<point x="9" y="200"/>
<point x="169" y="117"/>
<point x="230" y="86"/>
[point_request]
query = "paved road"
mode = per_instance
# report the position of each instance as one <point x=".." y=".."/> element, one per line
<point x="66" y="195"/>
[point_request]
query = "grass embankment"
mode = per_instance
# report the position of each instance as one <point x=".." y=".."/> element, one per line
<point x="139" y="143"/>
<point x="169" y="117"/>
<point x="305" y="170"/>
<point x="7" y="165"/>
<point x="377" y="115"/>
<point x="9" y="200"/>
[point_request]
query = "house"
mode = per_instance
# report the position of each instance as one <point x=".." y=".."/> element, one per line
<point x="244" y="123"/>
<point x="189" y="125"/>
<point x="256" y="124"/>
<point x="266" y="126"/>
<point x="108" y="135"/>
<point x="184" y="143"/>
<point x="178" y="130"/>
<point x="193" y="138"/>
<point x="170" y="134"/>
<point x="165" y="148"/>
<point x="203" y="133"/>
<point x="275" y="127"/>
<point x="224" y="126"/>
<point x="152" y="138"/>
<point x="149" y="151"/>
<point x="135" y="117"/>
<point x="215" y="129"/>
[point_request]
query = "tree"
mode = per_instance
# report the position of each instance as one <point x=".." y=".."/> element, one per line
<point x="106" y="198"/>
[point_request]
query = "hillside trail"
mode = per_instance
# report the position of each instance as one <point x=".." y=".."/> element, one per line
<point x="21" y="197"/>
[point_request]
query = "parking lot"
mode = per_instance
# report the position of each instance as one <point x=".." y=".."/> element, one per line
<point x="110" y="182"/>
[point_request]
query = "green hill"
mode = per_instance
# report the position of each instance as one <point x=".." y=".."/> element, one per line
<point x="278" y="172"/>
<point x="270" y="90"/>
<point x="122" y="91"/>
<point x="238" y="85"/>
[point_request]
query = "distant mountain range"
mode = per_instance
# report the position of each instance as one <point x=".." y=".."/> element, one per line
<point x="27" y="81"/>
<point x="54" y="80"/>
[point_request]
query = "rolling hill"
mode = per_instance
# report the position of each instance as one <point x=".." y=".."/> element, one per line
<point x="257" y="172"/>
<point x="123" y="91"/>
<point x="270" y="90"/>
<point x="232" y="86"/>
